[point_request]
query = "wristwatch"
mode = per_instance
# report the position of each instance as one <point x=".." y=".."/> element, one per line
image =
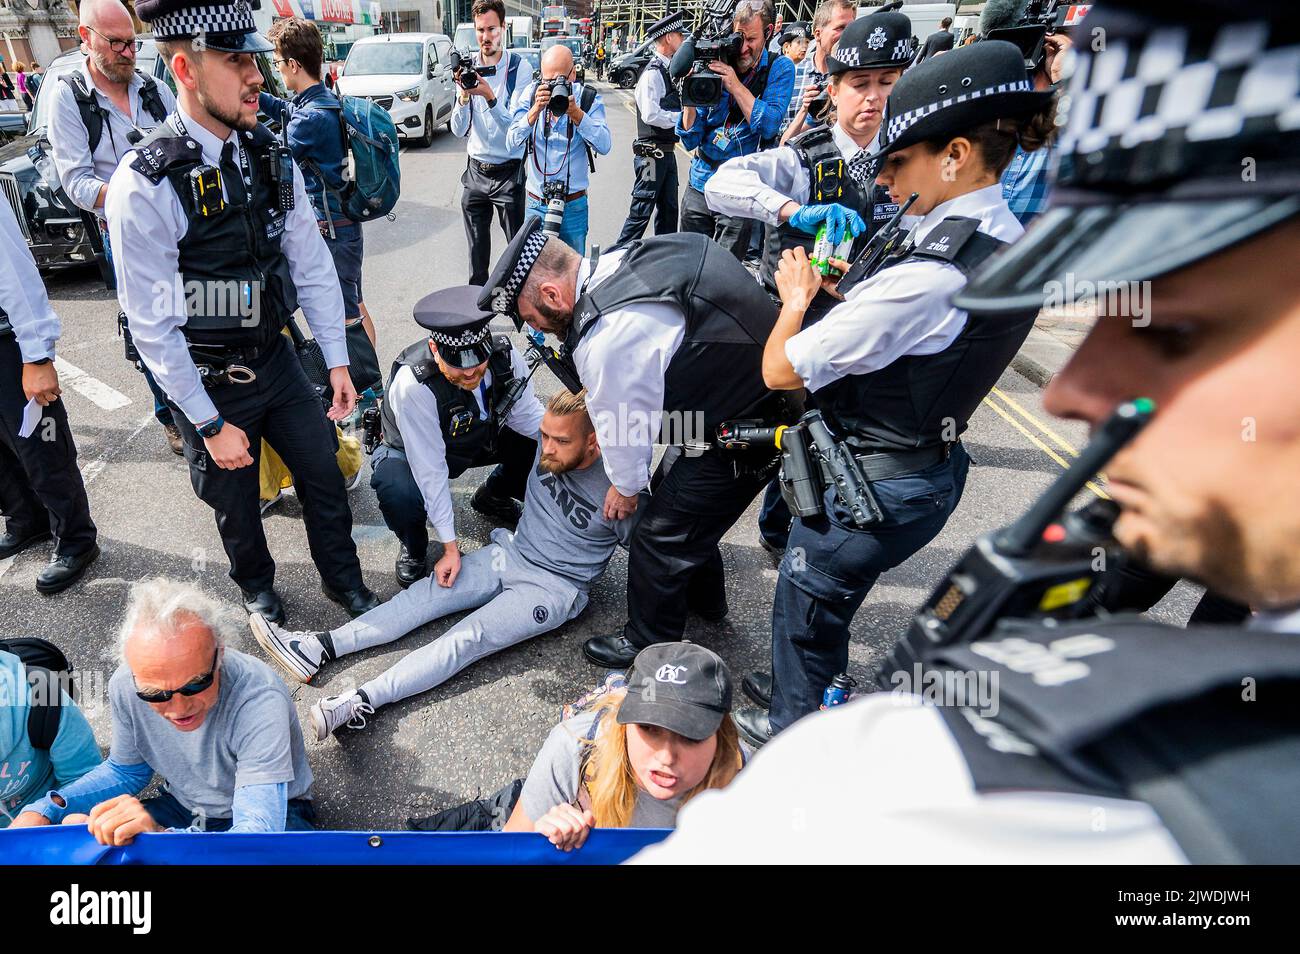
<point x="212" y="428"/>
<point x="41" y="361"/>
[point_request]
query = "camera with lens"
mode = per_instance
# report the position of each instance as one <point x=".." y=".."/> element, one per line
<point x="561" y="93"/>
<point x="718" y="41"/>
<point x="466" y="73"/>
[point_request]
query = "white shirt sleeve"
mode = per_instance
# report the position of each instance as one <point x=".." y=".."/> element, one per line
<point x="900" y="311"/>
<point x="22" y="293"/>
<point x="461" y="116"/>
<point x="416" y="411"/>
<point x="758" y="185"/>
<point x="649" y="91"/>
<point x="312" y="268"/>
<point x="526" y="416"/>
<point x="70" y="149"/>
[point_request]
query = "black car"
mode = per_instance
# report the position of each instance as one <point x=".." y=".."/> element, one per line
<point x="626" y="70"/>
<point x="57" y="231"/>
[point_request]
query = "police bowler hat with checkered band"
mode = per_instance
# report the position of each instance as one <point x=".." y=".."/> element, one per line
<point x="673" y="23"/>
<point x="501" y="293"/>
<point x="457" y="326"/>
<point x="951" y="94"/>
<point x="873" y="42"/>
<point x="1181" y="139"/>
<point x="223" y="27"/>
<point x="678" y="686"/>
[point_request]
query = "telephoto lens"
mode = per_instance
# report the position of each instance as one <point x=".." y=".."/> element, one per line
<point x="561" y="93"/>
<point x="553" y="193"/>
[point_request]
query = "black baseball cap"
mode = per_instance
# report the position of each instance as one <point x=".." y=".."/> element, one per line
<point x="681" y="687"/>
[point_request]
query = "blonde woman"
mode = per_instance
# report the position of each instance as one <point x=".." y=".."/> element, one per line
<point x="637" y="756"/>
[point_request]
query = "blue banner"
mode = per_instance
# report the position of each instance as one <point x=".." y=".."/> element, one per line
<point x="73" y="845"/>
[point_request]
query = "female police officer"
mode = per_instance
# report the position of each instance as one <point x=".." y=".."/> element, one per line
<point x="895" y="370"/>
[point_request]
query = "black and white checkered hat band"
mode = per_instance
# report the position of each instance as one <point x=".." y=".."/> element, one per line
<point x="463" y="339"/>
<point x="197" y="21"/>
<point x="505" y="302"/>
<point x="678" y="27"/>
<point x="897" y="125"/>
<point x="1136" y="93"/>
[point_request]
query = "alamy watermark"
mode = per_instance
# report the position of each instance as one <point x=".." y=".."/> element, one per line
<point x="1116" y="299"/>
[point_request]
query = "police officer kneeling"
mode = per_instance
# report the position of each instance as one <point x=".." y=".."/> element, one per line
<point x="459" y="398"/>
<point x="895" y="369"/>
<point x="217" y="246"/>
<point x="1184" y="742"/>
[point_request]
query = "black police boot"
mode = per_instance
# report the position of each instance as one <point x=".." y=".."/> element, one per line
<point x="409" y="568"/>
<point x="753" y="726"/>
<point x="356" y="602"/>
<point x="774" y="547"/>
<point x="612" y="652"/>
<point x="712" y="613"/>
<point x="12" y="544"/>
<point x="758" y="686"/>
<point x="63" y="571"/>
<point x="504" y="510"/>
<point x="265" y="602"/>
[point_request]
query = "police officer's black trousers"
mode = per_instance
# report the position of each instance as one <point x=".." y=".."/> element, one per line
<point x="730" y="232"/>
<point x="829" y="566"/>
<point x="281" y="407"/>
<point x="40" y="485"/>
<point x="402" y="504"/>
<point x="674" y="564"/>
<point x="654" y="193"/>
<point x="484" y="194"/>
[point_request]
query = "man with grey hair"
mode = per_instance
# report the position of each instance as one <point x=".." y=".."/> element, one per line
<point x="95" y="111"/>
<point x="217" y="725"/>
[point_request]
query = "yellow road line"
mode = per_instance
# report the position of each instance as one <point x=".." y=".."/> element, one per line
<point x="1091" y="485"/>
<point x="1060" y="441"/>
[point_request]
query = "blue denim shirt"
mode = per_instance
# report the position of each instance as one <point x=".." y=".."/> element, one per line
<point x="764" y="122"/>
<point x="1026" y="183"/>
<point x="315" y="135"/>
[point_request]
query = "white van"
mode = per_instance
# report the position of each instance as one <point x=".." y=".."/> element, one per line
<point x="409" y="74"/>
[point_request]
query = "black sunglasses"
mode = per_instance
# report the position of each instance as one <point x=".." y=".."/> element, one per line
<point x="191" y="688"/>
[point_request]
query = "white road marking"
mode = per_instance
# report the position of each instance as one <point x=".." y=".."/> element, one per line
<point x="6" y="564"/>
<point x="96" y="467"/>
<point x="106" y="397"/>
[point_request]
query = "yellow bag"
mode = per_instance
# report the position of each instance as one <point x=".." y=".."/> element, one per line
<point x="275" y="476"/>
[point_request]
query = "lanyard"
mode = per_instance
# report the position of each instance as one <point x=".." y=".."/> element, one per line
<point x="245" y="169"/>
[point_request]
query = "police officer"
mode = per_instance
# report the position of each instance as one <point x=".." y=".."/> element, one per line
<point x="895" y="370"/>
<point x="96" y="111"/>
<point x="666" y="335"/>
<point x="217" y="247"/>
<point x="41" y="491"/>
<point x="1180" y="740"/>
<point x="456" y="399"/>
<point x="658" y="109"/>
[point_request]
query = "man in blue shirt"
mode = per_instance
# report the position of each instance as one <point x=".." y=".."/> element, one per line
<point x="557" y="146"/>
<point x="756" y="94"/>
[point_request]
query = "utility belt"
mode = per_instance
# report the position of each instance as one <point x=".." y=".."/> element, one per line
<point x="217" y="365"/>
<point x="652" y="148"/>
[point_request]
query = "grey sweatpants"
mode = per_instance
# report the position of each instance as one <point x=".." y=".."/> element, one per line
<point x="516" y="601"/>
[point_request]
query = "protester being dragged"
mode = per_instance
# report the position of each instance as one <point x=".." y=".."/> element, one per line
<point x="638" y="754"/>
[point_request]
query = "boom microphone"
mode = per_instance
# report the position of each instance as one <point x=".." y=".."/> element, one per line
<point x="1000" y="14"/>
<point x="680" y="64"/>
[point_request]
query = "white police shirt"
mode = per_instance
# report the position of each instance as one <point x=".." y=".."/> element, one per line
<point x="758" y="185"/>
<point x="882" y="780"/>
<point x="146" y="222"/>
<point x="82" y="174"/>
<point x="649" y="91"/>
<point x="622" y="362"/>
<point x="415" y="409"/>
<point x="22" y="293"/>
<point x="903" y="310"/>
<point x="486" y="128"/>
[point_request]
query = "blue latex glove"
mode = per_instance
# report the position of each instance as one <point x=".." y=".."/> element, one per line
<point x="837" y="217"/>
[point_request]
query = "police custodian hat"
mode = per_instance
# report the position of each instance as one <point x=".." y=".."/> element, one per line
<point x="1181" y="139"/>
<point x="873" y="42"/>
<point x="457" y="326"/>
<point x="224" y="27"/>
<point x="673" y="23"/>
<point x="501" y="293"/>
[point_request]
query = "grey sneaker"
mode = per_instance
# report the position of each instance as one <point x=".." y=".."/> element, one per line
<point x="299" y="654"/>
<point x="333" y="712"/>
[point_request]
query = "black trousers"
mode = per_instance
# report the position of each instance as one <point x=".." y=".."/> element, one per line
<point x="40" y="485"/>
<point x="1135" y="588"/>
<point x="655" y="193"/>
<point x="483" y="194"/>
<point x="728" y="231"/>
<point x="402" y="503"/>
<point x="281" y="407"/>
<point x="674" y="564"/>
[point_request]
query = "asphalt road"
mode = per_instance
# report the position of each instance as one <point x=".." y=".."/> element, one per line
<point x="481" y="729"/>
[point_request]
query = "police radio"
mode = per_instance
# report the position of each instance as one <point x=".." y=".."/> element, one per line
<point x="282" y="176"/>
<point x="877" y="249"/>
<point x="1042" y="567"/>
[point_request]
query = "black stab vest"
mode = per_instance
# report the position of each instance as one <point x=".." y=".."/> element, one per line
<point x="670" y="102"/>
<point x="914" y="402"/>
<point x="474" y="446"/>
<point x="717" y="373"/>
<point x="232" y="254"/>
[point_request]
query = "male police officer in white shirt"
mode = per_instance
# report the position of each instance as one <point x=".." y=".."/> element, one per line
<point x="97" y="111"/>
<point x="217" y="247"/>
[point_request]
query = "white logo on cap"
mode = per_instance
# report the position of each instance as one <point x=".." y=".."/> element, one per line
<point x="667" y="673"/>
<point x="877" y="38"/>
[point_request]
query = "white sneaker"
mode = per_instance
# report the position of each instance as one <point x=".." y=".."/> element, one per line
<point x="300" y="654"/>
<point x="352" y="483"/>
<point x="266" y="505"/>
<point x="333" y="712"/>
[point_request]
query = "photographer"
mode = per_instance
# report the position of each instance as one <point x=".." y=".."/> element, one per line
<point x="492" y="177"/>
<point x="559" y="122"/>
<point x="812" y="73"/>
<point x="748" y="116"/>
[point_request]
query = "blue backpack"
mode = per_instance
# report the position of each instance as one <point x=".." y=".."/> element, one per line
<point x="370" y="140"/>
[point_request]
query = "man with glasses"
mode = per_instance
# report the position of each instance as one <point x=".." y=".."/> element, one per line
<point x="218" y="726"/>
<point x="96" y="109"/>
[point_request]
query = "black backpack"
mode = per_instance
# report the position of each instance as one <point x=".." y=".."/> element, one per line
<point x="93" y="115"/>
<point x="48" y="670"/>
